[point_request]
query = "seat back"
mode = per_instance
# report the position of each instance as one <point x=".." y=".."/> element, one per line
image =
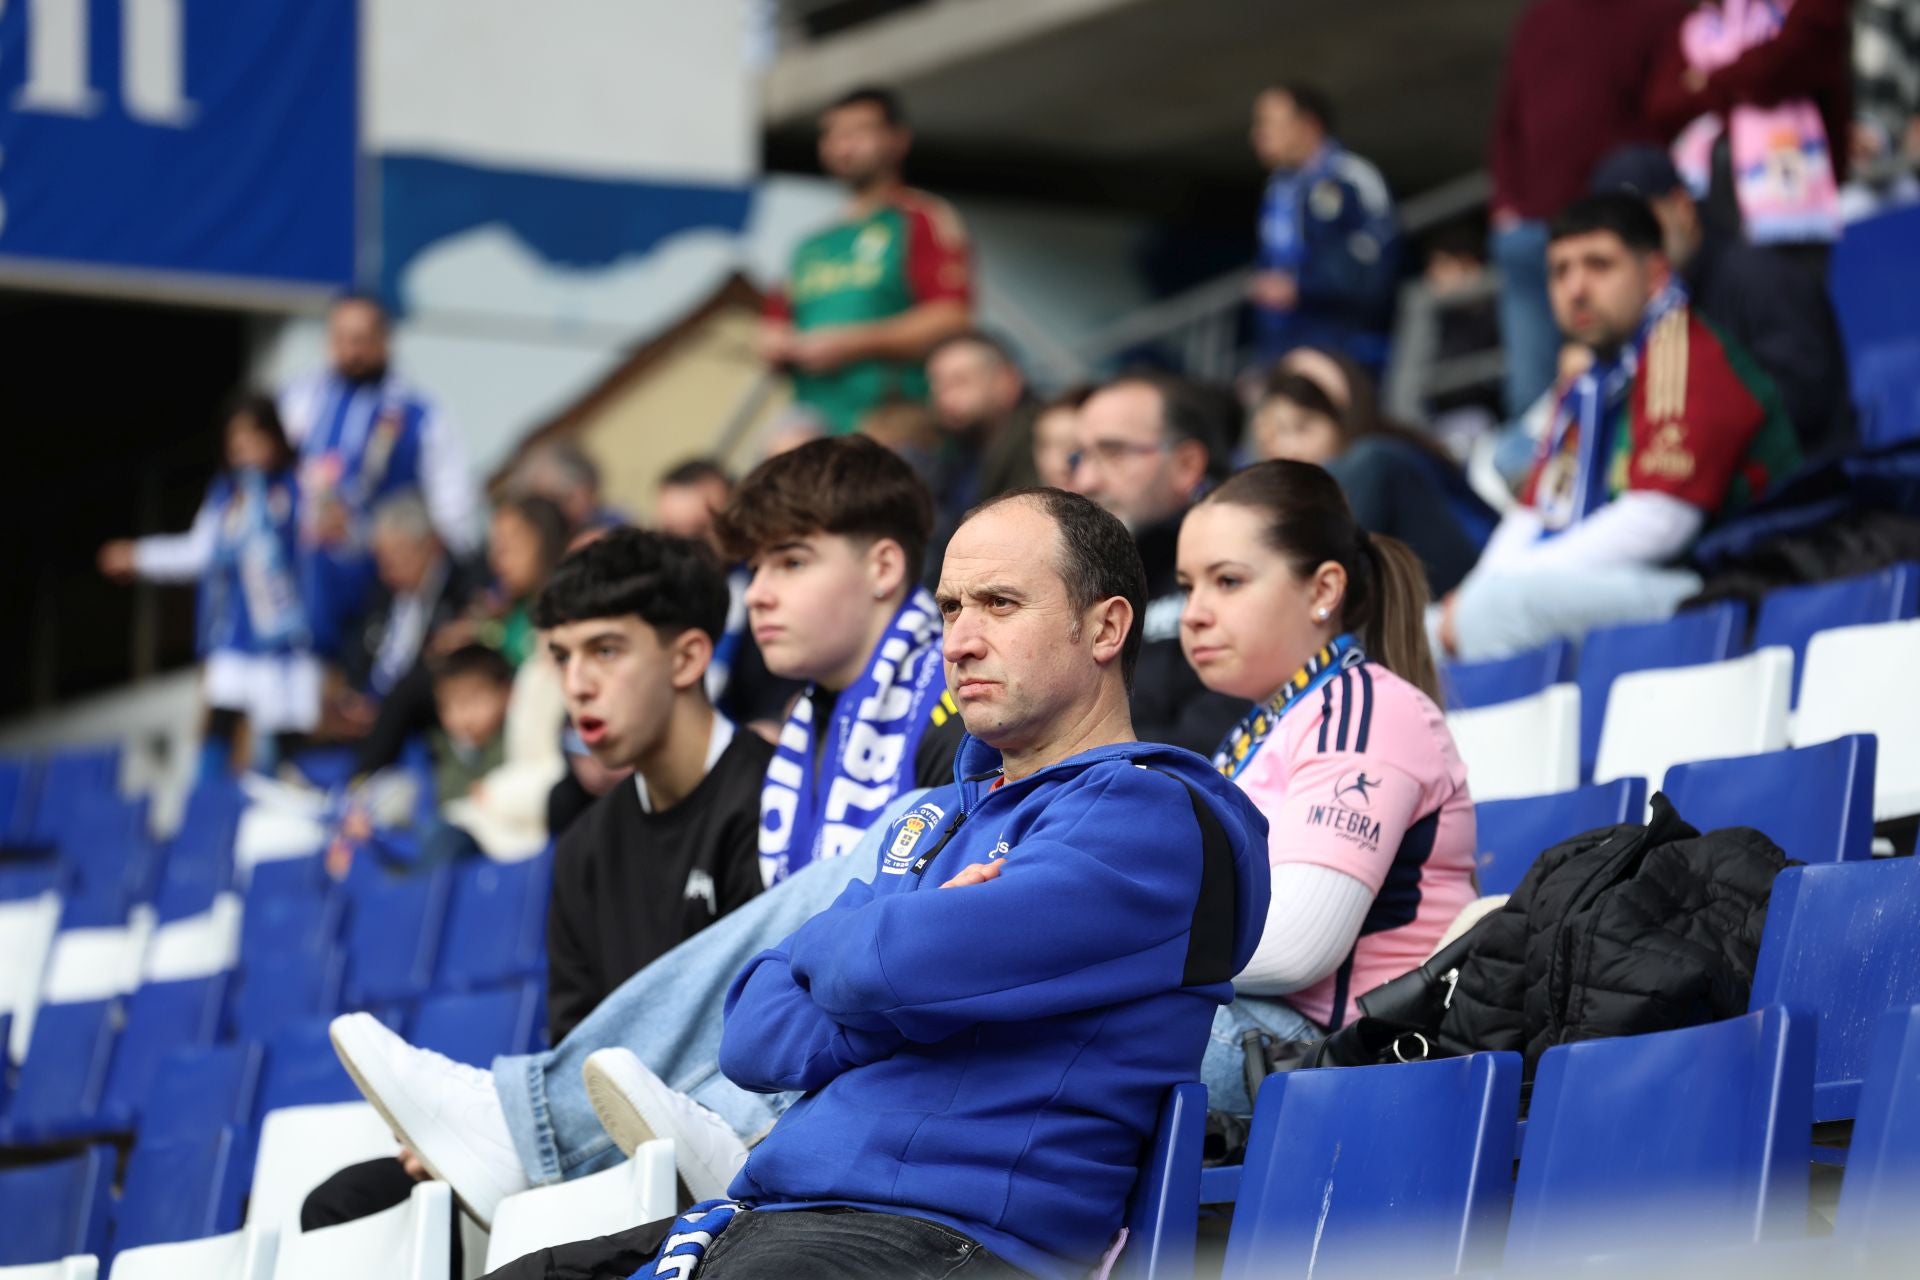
<point x="1883" y="1164"/>
<point x="1165" y="1208"/>
<point x="640" y="1190"/>
<point x="1483" y="684"/>
<point x="476" y="1027"/>
<point x="393" y="936"/>
<point x="407" y="1242"/>
<point x="1512" y="833"/>
<point x="1699" y="1136"/>
<point x="1865" y="680"/>
<point x="1403" y="1169"/>
<point x="496" y="923"/>
<point x="65" y="1074"/>
<point x="83" y="1266"/>
<point x="1527" y="747"/>
<point x="180" y="1190"/>
<point x="238" y="1255"/>
<point x="1842" y="940"/>
<point x="278" y="991"/>
<point x="1657" y="719"/>
<point x="27" y="931"/>
<point x="161" y="1017"/>
<point x="302" y="1070"/>
<point x="291" y="906"/>
<point x="1711" y="634"/>
<point x="1814" y="802"/>
<point x="197" y="1091"/>
<point x="49" y="1211"/>
<point x="301" y="1147"/>
<point x="1791" y="616"/>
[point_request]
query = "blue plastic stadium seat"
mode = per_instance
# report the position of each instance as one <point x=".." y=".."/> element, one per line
<point x="76" y="786"/>
<point x="6" y="1063"/>
<point x="1886" y="386"/>
<point x="1883" y="1168"/>
<point x="1842" y="940"/>
<point x="1512" y="833"/>
<point x="1699" y="1136"/>
<point x="185" y="1189"/>
<point x="393" y="936"/>
<point x="51" y="1211"/>
<point x="198" y="1091"/>
<point x="31" y="877"/>
<point x="199" y="858"/>
<point x="278" y="989"/>
<point x="1482" y="684"/>
<point x="290" y="907"/>
<point x="18" y="791"/>
<point x="161" y="1018"/>
<point x="476" y="1027"/>
<point x="496" y="922"/>
<point x="65" y="1073"/>
<point x="1815" y="802"/>
<point x="1165" y="1208"/>
<point x="1791" y="615"/>
<point x="1392" y="1170"/>
<point x="302" y="1070"/>
<point x="1709" y="634"/>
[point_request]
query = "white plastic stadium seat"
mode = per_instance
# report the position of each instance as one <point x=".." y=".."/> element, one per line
<point x="300" y="1148"/>
<point x="27" y="930"/>
<point x="281" y="822"/>
<point x="640" y="1190"/>
<point x="1867" y="680"/>
<point x="1527" y="747"/>
<point x="83" y="1266"/>
<point x="1657" y="719"/>
<point x="198" y="946"/>
<point x="406" y="1242"/>
<point x="98" y="964"/>
<point x="238" y="1255"/>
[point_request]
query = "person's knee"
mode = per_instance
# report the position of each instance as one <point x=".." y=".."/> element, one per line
<point x="356" y="1192"/>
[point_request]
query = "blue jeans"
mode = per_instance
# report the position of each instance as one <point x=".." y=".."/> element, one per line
<point x="669" y="1014"/>
<point x="1529" y="336"/>
<point x="1224" y="1070"/>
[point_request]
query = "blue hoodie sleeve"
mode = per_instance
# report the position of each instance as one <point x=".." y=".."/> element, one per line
<point x="1094" y="907"/>
<point x="774" y="1036"/>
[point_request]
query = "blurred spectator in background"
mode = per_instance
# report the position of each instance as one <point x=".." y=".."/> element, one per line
<point x="1886" y="81"/>
<point x="1148" y="447"/>
<point x="869" y="297"/>
<point x="561" y="472"/>
<point x="1329" y="242"/>
<point x="1469" y="321"/>
<point x="363" y="435"/>
<point x="254" y="634"/>
<point x="907" y="428"/>
<point x="981" y="401"/>
<point x="1669" y="428"/>
<point x="688" y="497"/>
<point x="1315" y="410"/>
<point x="527" y="539"/>
<point x="1757" y="98"/>
<point x="1779" y="312"/>
<point x="1572" y="91"/>
<point x="1055" y="429"/>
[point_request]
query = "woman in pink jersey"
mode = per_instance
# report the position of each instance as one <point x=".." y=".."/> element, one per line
<point x="1294" y="607"/>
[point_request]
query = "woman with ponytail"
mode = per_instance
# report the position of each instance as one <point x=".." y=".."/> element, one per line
<point x="1292" y="606"/>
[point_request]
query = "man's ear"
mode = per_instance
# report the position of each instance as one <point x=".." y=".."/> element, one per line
<point x="692" y="652"/>
<point x="1108" y="623"/>
<point x="1189" y="465"/>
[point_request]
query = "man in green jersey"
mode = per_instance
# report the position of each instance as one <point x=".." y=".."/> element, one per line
<point x="868" y="297"/>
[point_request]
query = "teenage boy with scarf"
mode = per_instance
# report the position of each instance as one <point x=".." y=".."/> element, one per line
<point x="834" y="532"/>
<point x="1672" y="426"/>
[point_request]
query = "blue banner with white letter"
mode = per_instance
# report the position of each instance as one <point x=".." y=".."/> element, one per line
<point x="209" y="138"/>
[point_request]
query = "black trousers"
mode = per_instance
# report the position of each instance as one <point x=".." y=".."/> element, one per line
<point x="796" y="1244"/>
<point x="362" y="1190"/>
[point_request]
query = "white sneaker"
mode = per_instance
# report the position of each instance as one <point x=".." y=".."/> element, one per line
<point x="446" y="1111"/>
<point x="635" y="1106"/>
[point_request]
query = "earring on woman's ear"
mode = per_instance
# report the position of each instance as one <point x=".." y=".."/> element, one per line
<point x="1319" y="615"/>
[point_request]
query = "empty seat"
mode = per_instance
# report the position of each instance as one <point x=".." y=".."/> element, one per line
<point x="477" y="1026"/>
<point x="639" y="1190"/>
<point x="27" y="931"/>
<point x="1814" y="802"/>
<point x="1883" y="1165"/>
<point x="237" y="1255"/>
<point x="268" y="834"/>
<point x="291" y="906"/>
<point x="1710" y="634"/>
<point x="79" y="1267"/>
<point x="19" y="788"/>
<point x="1482" y="684"/>
<point x="1867" y="680"/>
<point x="1793" y="615"/>
<point x="407" y="1242"/>
<point x="1842" y="941"/>
<point x="1389" y="1170"/>
<point x="1698" y="1137"/>
<point x="393" y="936"/>
<point x="65" y="1074"/>
<point x="195" y="1092"/>
<point x="1512" y="833"/>
<point x="303" y="1070"/>
<point x="180" y="1190"/>
<point x="301" y="1147"/>
<point x="277" y="991"/>
<point x="1657" y="719"/>
<point x="162" y="1017"/>
<point x="496" y="922"/>
<point x="50" y="1211"/>
<point x="1527" y="747"/>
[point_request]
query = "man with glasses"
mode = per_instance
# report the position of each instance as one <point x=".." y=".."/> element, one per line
<point x="1146" y="448"/>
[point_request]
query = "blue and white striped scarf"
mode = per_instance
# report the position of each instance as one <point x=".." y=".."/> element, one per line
<point x="693" y="1232"/>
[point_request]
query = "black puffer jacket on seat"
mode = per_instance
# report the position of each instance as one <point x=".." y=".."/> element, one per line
<point x="1621" y="931"/>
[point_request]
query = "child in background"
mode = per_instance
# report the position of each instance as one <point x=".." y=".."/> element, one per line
<point x="253" y="631"/>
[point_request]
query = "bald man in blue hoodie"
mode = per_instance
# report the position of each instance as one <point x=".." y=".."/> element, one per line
<point x="985" y="1033"/>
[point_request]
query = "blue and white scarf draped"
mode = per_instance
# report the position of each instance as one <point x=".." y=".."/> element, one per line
<point x="1575" y="453"/>
<point x="1244" y="741"/>
<point x="877" y="723"/>
<point x="252" y="603"/>
<point x="688" y="1240"/>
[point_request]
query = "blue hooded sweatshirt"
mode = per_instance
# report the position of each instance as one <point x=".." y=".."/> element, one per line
<point x="994" y="1057"/>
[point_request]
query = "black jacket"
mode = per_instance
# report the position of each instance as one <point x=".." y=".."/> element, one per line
<point x="1620" y="931"/>
<point x="1170" y="705"/>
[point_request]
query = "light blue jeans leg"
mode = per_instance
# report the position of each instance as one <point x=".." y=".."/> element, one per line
<point x="669" y="1015"/>
<point x="1224" y="1069"/>
<point x="1529" y="337"/>
<point x="1497" y="614"/>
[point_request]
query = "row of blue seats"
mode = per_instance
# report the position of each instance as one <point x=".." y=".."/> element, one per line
<point x="1788" y="617"/>
<point x="38" y="796"/>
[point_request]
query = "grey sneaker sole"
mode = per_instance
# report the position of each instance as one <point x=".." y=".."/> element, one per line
<point x="618" y="1115"/>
